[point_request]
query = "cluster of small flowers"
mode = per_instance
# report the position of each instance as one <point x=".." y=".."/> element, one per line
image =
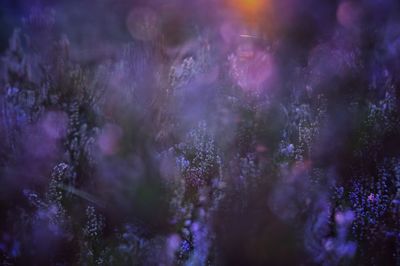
<point x="201" y="152"/>
<point x="309" y="128"/>
<point x="370" y="202"/>
<point x="303" y="125"/>
<point x="383" y="115"/>
<point x="19" y="104"/>
<point x="185" y="70"/>
<point x="200" y="166"/>
<point x="183" y="252"/>
<point x="94" y="223"/>
<point x="396" y="169"/>
<point x="81" y="138"/>
<point x="129" y="244"/>
<point x="23" y="104"/>
<point x="33" y="198"/>
<point x="201" y="244"/>
<point x="50" y="210"/>
<point x="73" y="132"/>
<point x="181" y="75"/>
<point x="286" y="150"/>
<point x="54" y="193"/>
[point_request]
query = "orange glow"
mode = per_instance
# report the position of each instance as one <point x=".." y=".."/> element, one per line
<point x="249" y="8"/>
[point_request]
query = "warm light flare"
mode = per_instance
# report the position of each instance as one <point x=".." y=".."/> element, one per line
<point x="250" y="9"/>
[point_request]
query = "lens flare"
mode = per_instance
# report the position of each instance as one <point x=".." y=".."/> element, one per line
<point x="249" y="9"/>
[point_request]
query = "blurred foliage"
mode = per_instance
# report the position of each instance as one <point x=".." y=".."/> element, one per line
<point x="161" y="152"/>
